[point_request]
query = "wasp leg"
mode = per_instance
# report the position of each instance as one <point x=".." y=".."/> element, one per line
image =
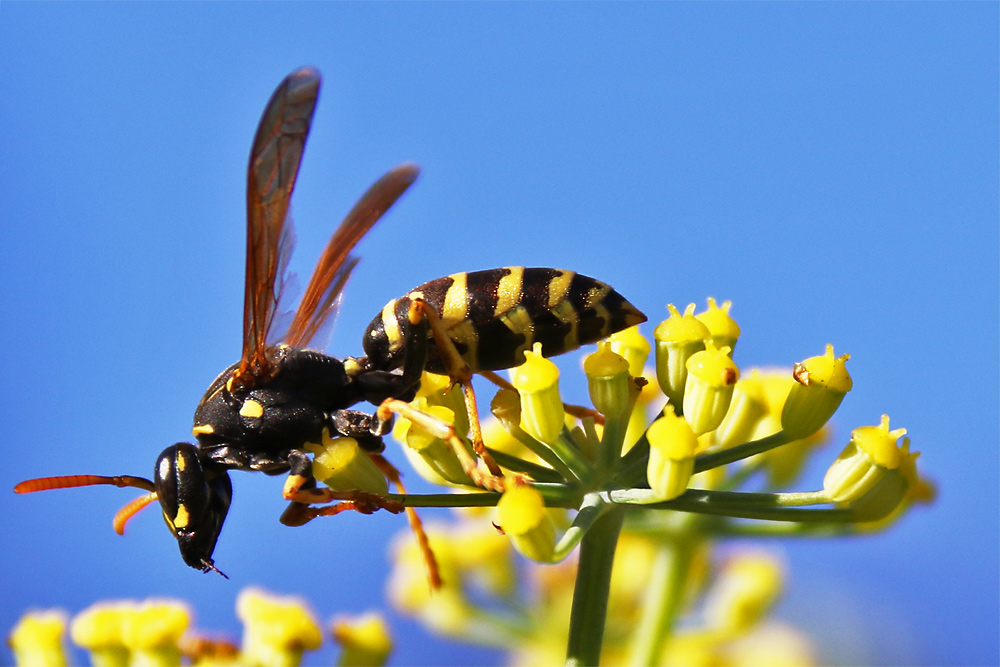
<point x="459" y="372"/>
<point x="480" y="476"/>
<point x="416" y="525"/>
<point x="300" y="488"/>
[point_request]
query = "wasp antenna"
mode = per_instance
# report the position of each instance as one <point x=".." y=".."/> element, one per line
<point x="72" y="481"/>
<point x="130" y="510"/>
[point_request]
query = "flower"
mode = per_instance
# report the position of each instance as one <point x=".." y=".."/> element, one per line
<point x="537" y="381"/>
<point x="821" y="385"/>
<point x="709" y="387"/>
<point x="672" y="446"/>
<point x="677" y="338"/>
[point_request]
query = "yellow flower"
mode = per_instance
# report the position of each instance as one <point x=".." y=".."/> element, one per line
<point x="276" y="630"/>
<point x="365" y="640"/>
<point x="747" y="587"/>
<point x="608" y="380"/>
<point x="523" y="517"/>
<point x="672" y="446"/>
<point x="537" y="381"/>
<point x="677" y="338"/>
<point x="721" y="325"/>
<point x="343" y="466"/>
<point x="708" y="391"/>
<point x="821" y="383"/>
<point x="37" y="641"/>
<point x="100" y="630"/>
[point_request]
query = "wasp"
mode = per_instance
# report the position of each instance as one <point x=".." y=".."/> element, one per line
<point x="260" y="412"/>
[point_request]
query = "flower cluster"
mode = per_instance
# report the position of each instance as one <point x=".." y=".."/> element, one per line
<point x="669" y="459"/>
<point x="277" y="630"/>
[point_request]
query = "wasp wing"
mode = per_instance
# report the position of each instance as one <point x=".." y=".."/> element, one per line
<point x="335" y="264"/>
<point x="274" y="166"/>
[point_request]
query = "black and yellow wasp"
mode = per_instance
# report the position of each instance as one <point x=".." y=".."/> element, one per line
<point x="259" y="413"/>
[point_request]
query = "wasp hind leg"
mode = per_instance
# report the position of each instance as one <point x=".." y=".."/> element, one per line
<point x="422" y="317"/>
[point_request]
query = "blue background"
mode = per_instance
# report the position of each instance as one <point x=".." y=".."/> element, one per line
<point x="830" y="167"/>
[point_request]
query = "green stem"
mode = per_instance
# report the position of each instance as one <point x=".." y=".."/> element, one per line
<point x="747" y="449"/>
<point x="663" y="601"/>
<point x="593" y="583"/>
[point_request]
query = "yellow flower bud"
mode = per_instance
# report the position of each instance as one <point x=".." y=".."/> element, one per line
<point x="723" y="328"/>
<point x="99" y="629"/>
<point x="343" y="466"/>
<point x="746" y="589"/>
<point x="432" y="457"/>
<point x="152" y="631"/>
<point x="37" y="639"/>
<point x="747" y="407"/>
<point x="365" y="640"/>
<point x="633" y="346"/>
<point x="608" y="379"/>
<point x="821" y="383"/>
<point x="712" y="376"/>
<point x="523" y="517"/>
<point x="677" y="338"/>
<point x="672" y="447"/>
<point x="537" y="381"/>
<point x="276" y="630"/>
<point x="870" y="455"/>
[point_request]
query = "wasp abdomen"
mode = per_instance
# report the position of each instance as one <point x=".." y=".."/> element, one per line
<point x="493" y="316"/>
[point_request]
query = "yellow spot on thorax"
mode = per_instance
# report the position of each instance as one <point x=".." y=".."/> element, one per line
<point x="251" y="408"/>
<point x="203" y="429"/>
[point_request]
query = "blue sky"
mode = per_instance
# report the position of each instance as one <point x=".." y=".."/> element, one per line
<point x="831" y="168"/>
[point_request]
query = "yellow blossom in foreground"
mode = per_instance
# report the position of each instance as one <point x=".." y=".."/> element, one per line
<point x="722" y="327"/>
<point x="365" y="640"/>
<point x="677" y="338"/>
<point x="276" y="629"/>
<point x="523" y="517"/>
<point x="821" y="383"/>
<point x="537" y="381"/>
<point x="37" y="639"/>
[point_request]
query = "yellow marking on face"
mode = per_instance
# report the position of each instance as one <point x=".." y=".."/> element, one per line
<point x="182" y="518"/>
<point x="251" y="408"/>
<point x="203" y="429"/>
<point x="391" y="327"/>
<point x="456" y="306"/>
<point x="509" y="290"/>
<point x="559" y="286"/>
<point x="352" y="367"/>
<point x="567" y="314"/>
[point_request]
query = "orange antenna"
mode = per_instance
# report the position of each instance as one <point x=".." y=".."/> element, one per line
<point x="73" y="481"/>
<point x="130" y="510"/>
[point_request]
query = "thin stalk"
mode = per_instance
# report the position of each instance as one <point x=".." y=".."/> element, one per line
<point x="593" y="583"/>
<point x="664" y="598"/>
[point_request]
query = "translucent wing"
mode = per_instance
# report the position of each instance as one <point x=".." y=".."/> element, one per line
<point x="274" y="166"/>
<point x="335" y="264"/>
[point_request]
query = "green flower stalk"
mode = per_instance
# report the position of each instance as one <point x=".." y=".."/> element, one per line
<point x="677" y="338"/>
<point x="821" y="384"/>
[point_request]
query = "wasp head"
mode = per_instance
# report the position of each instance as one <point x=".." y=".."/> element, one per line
<point x="194" y="501"/>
